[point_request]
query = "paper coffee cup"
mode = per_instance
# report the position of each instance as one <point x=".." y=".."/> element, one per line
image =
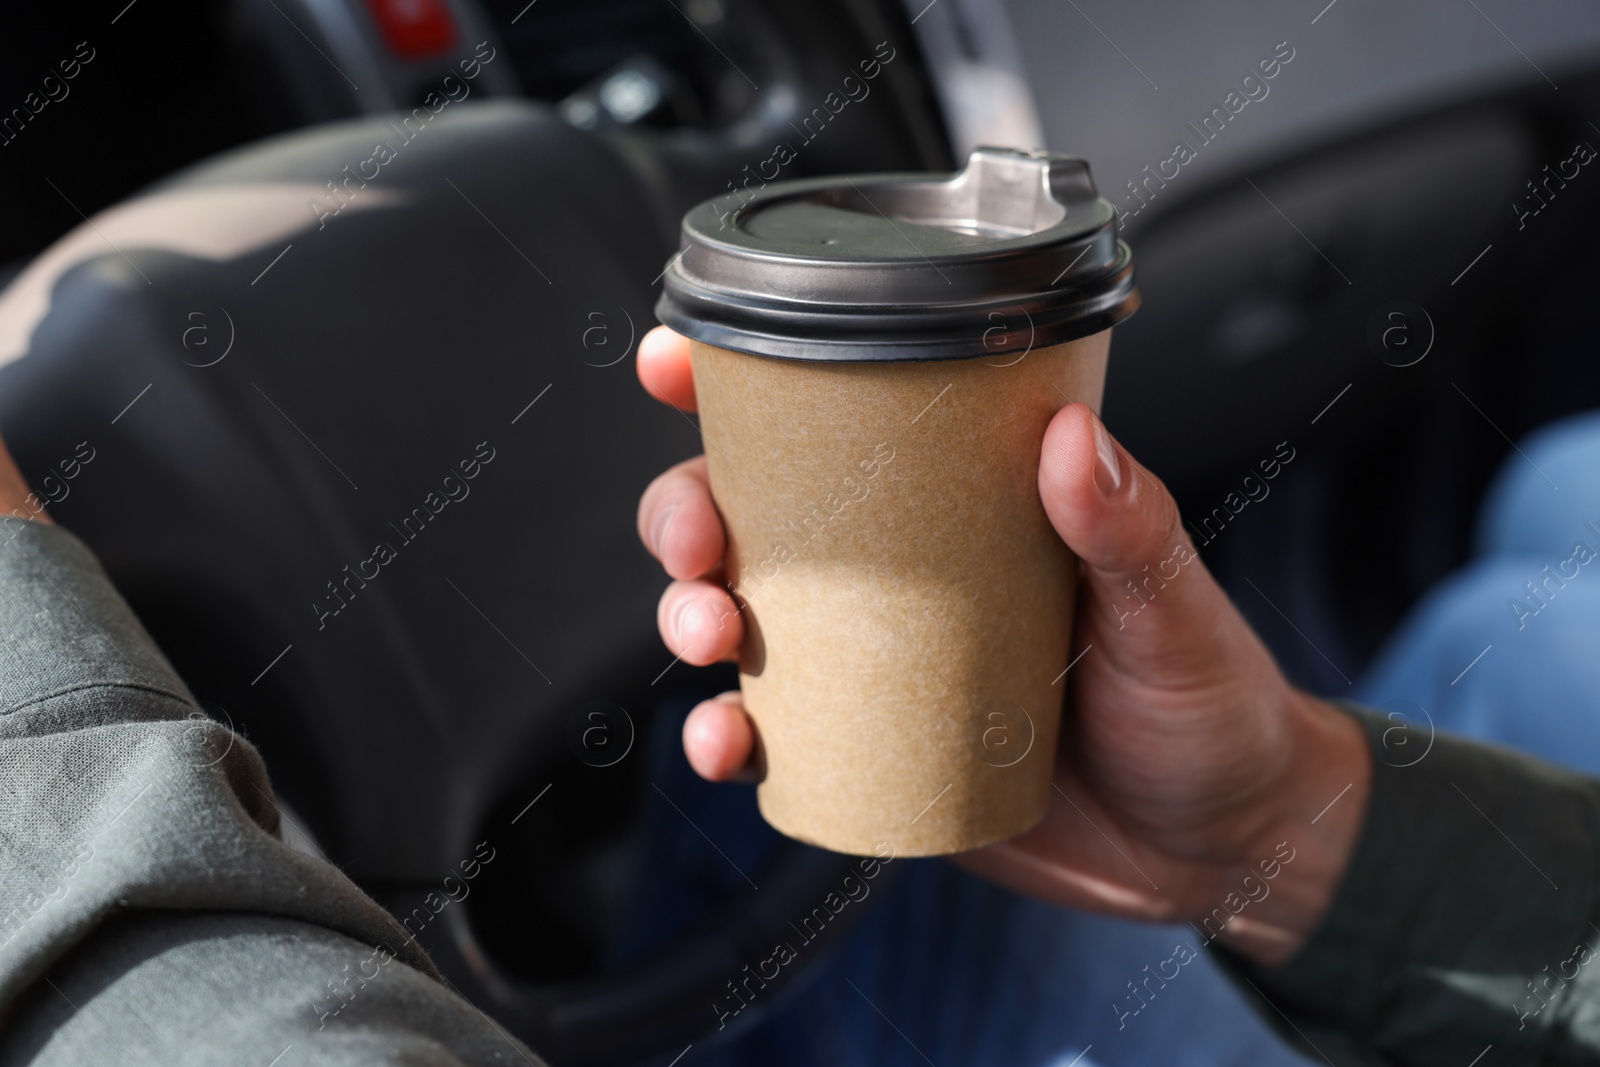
<point x="872" y="414"/>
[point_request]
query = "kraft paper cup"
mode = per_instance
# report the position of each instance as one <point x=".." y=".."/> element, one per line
<point x="876" y="359"/>
<point x="908" y="607"/>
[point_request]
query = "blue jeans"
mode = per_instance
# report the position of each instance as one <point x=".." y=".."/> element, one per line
<point x="949" y="970"/>
<point x="1505" y="649"/>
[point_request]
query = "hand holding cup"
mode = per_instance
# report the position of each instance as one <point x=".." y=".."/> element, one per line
<point x="1185" y="757"/>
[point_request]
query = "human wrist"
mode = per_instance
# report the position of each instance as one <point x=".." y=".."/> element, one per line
<point x="16" y="500"/>
<point x="1288" y="878"/>
<point x="25" y="507"/>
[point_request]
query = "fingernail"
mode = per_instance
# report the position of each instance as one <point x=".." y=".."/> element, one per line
<point x="658" y="529"/>
<point x="1108" y="461"/>
<point x="680" y="620"/>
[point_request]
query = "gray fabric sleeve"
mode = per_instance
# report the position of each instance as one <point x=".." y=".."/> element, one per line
<point x="143" y="882"/>
<point x="1469" y="917"/>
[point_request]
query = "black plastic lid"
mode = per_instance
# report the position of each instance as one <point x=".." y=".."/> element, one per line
<point x="1017" y="251"/>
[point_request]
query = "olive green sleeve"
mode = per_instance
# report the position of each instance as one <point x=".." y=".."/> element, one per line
<point x="1468" y="919"/>
<point x="151" y="912"/>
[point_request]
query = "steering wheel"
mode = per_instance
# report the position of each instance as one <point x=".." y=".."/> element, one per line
<point x="367" y="451"/>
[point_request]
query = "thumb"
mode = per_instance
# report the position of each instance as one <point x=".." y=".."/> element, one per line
<point x="1148" y="600"/>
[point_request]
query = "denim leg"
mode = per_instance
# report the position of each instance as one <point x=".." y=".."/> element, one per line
<point x="1545" y="496"/>
<point x="945" y="967"/>
<point x="1475" y="659"/>
<point x="971" y="974"/>
<point x="1506" y="649"/>
<point x="950" y="970"/>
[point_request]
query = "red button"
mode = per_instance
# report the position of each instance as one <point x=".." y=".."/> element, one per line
<point x="414" y="29"/>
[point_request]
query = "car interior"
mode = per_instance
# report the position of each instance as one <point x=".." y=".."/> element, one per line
<point x="286" y="266"/>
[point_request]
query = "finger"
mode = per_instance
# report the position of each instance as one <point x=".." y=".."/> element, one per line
<point x="664" y="368"/>
<point x="700" y="622"/>
<point x="1111" y="511"/>
<point x="1141" y="573"/>
<point x="720" y="740"/>
<point x="679" y="523"/>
